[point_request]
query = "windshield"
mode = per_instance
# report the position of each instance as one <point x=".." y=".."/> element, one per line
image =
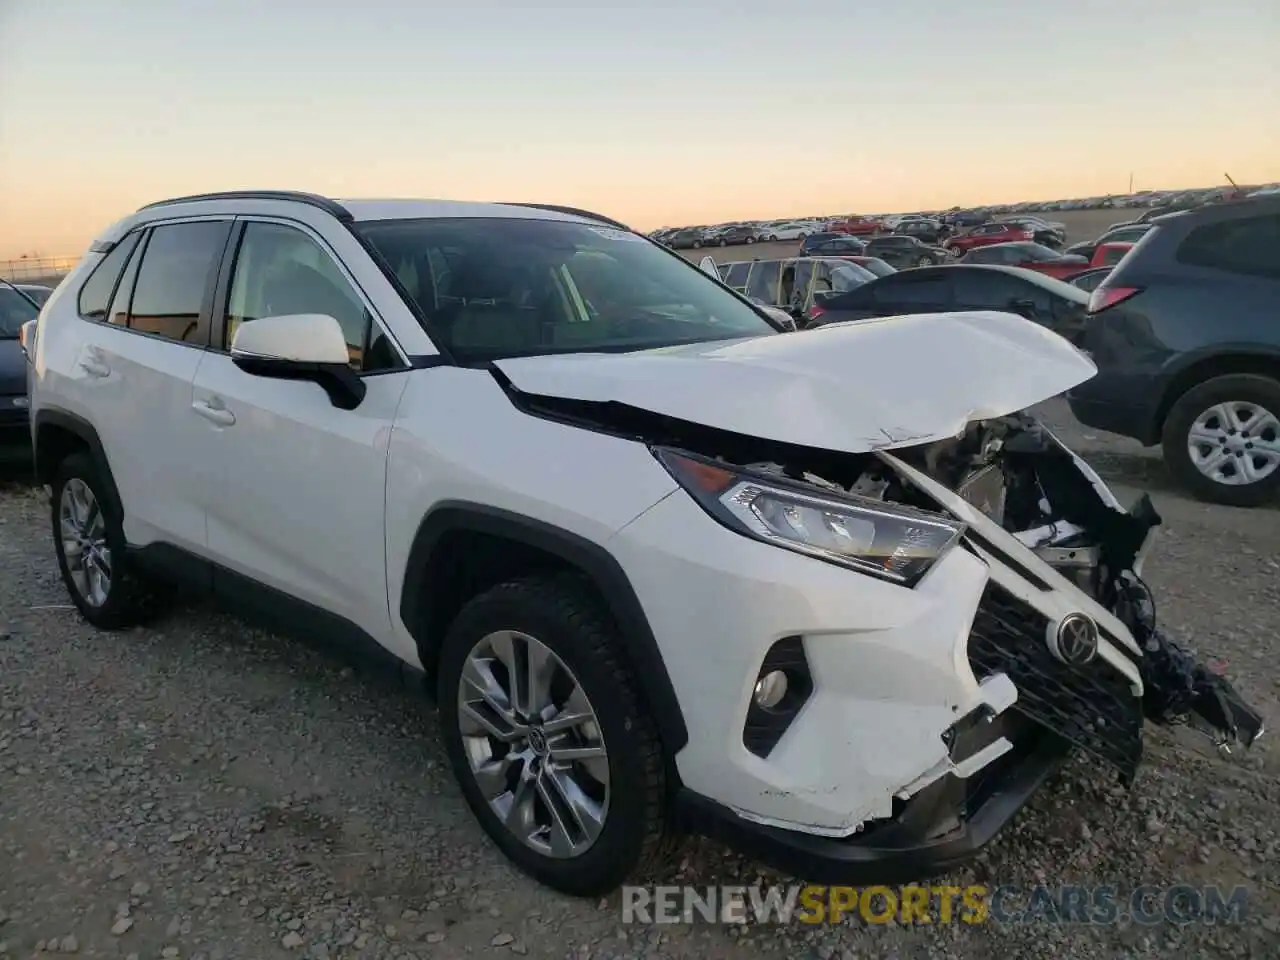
<point x="15" y="310"/>
<point x="877" y="267"/>
<point x="495" y="288"/>
<point x="846" y="276"/>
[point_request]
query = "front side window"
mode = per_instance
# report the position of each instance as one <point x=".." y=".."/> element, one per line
<point x="281" y="271"/>
<point x="522" y="287"/>
<point x="175" y="273"/>
<point x="15" y="310"/>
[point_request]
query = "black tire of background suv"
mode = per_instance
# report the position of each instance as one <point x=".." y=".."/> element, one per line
<point x="1262" y="390"/>
<point x="562" y="614"/>
<point x="132" y="599"/>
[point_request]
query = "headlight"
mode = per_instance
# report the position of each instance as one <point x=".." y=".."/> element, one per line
<point x="885" y="540"/>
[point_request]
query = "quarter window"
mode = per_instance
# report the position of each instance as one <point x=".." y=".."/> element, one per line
<point x="95" y="295"/>
<point x="1249" y="246"/>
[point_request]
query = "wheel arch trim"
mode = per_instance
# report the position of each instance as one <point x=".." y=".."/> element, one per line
<point x="1220" y="360"/>
<point x="82" y="429"/>
<point x="590" y="559"/>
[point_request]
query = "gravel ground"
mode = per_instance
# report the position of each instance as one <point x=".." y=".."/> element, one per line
<point x="203" y="789"/>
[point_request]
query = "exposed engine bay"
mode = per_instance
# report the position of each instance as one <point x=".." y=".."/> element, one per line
<point x="1018" y="474"/>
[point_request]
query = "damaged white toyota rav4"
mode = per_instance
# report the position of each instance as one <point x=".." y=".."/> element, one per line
<point x="828" y="596"/>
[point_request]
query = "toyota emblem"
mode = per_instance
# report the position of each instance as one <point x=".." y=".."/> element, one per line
<point x="1075" y="642"/>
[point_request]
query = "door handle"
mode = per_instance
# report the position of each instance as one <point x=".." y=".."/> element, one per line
<point x="214" y="414"/>
<point x="95" y="368"/>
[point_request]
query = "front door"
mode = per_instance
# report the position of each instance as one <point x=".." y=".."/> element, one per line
<point x="299" y="504"/>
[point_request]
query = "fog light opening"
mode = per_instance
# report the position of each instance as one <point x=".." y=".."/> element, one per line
<point x="771" y="689"/>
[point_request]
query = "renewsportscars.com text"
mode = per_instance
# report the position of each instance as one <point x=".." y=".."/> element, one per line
<point x="935" y="904"/>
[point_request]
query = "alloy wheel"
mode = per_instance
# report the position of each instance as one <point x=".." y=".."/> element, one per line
<point x="1235" y="443"/>
<point x="83" y="529"/>
<point x="533" y="743"/>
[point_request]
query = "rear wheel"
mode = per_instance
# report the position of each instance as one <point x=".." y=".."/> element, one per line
<point x="556" y="756"/>
<point x="88" y="537"/>
<point x="1222" y="440"/>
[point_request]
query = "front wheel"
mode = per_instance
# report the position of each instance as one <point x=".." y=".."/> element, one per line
<point x="925" y="262"/>
<point x="545" y="731"/>
<point x="1221" y="440"/>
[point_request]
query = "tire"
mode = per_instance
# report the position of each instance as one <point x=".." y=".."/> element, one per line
<point x="126" y="597"/>
<point x="724" y="243"/>
<point x="772" y="238"/>
<point x="751" y="240"/>
<point x="564" y="619"/>
<point x="1240" y="392"/>
<point x="925" y="262"/>
<point x="697" y="244"/>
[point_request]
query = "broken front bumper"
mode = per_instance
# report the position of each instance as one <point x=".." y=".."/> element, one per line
<point x="943" y="826"/>
<point x="948" y="814"/>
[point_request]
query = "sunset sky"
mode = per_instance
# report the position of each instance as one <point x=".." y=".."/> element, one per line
<point x="659" y="113"/>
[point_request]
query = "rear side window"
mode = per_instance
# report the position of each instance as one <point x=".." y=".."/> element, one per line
<point x="925" y="293"/>
<point x="175" y="274"/>
<point x="1249" y="246"/>
<point x="95" y="295"/>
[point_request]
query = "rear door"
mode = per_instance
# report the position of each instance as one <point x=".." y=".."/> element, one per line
<point x="138" y="362"/>
<point x="914" y="291"/>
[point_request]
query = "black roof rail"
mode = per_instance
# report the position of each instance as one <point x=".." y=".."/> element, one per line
<point x="331" y="207"/>
<point x="573" y="212"/>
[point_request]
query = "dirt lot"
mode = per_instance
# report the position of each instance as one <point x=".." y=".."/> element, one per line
<point x="1080" y="224"/>
<point x="202" y="789"/>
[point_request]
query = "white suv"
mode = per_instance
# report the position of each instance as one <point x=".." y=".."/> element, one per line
<point x="654" y="554"/>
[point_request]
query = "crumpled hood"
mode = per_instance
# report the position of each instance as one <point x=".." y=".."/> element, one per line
<point x="852" y="387"/>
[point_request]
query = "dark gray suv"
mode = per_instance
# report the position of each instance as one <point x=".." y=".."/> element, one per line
<point x="1186" y="335"/>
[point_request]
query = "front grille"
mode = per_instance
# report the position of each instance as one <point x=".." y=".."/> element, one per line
<point x="1092" y="706"/>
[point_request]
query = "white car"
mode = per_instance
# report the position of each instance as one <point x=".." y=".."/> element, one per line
<point x="664" y="567"/>
<point x="794" y="230"/>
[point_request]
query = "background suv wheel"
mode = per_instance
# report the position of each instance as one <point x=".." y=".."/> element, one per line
<point x="1222" y="440"/>
<point x="556" y="756"/>
<point x="88" y="538"/>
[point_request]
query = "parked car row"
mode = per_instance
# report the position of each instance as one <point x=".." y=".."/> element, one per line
<point x="936" y="226"/>
<point x="1181" y="322"/>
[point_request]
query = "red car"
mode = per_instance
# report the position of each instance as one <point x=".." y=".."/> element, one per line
<point x="988" y="234"/>
<point x="1029" y="256"/>
<point x="858" y="226"/>
<point x="1109" y="254"/>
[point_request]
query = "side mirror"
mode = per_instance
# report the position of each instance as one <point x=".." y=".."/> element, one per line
<point x="302" y="346"/>
<point x="708" y="266"/>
